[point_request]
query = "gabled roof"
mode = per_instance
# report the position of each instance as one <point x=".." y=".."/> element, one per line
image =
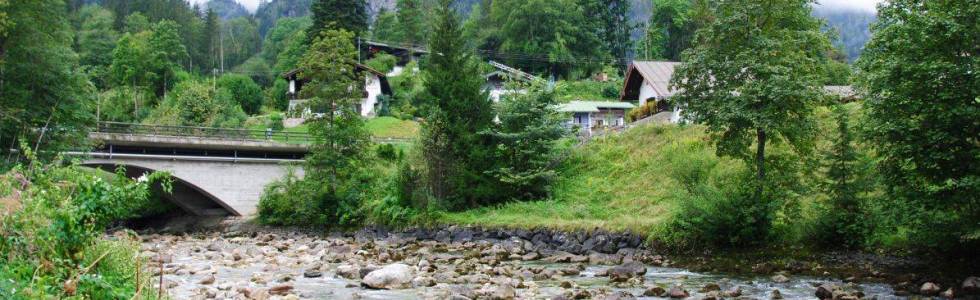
<point x="655" y="73"/>
<point x="843" y="91"/>
<point x="359" y="66"/>
<point x="513" y="73"/>
<point x="592" y="106"/>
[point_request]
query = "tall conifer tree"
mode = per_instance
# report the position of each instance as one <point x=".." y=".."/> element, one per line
<point x="457" y="153"/>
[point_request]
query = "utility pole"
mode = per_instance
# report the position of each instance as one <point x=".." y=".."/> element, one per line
<point x="221" y="49"/>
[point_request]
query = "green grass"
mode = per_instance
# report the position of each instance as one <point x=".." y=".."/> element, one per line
<point x="380" y="127"/>
<point x="389" y="127"/>
<point x="622" y="182"/>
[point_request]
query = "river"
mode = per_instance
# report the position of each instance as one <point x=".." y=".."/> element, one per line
<point x="302" y="266"/>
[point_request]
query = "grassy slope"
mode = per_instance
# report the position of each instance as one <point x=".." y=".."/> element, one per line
<point x="388" y="127"/>
<point x="381" y="127"/>
<point x="623" y="182"/>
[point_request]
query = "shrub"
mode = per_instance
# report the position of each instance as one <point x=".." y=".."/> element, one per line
<point x="275" y="121"/>
<point x="382" y="62"/>
<point x="64" y="211"/>
<point x="642" y="111"/>
<point x="245" y="92"/>
<point x="387" y="152"/>
<point x="715" y="206"/>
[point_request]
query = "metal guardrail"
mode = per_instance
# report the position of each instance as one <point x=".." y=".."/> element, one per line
<point x="235" y="134"/>
<point x="231" y="134"/>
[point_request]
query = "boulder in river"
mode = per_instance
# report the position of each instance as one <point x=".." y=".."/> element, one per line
<point x="624" y="272"/>
<point x="776" y="294"/>
<point x="655" y="291"/>
<point x="971" y="285"/>
<point x="393" y="276"/>
<point x="503" y="292"/>
<point x="280" y="290"/>
<point x="780" y="278"/>
<point x="618" y="295"/>
<point x="349" y="271"/>
<point x="207" y="280"/>
<point x="825" y="291"/>
<point x="311" y="273"/>
<point x="710" y="287"/>
<point x="677" y="292"/>
<point x="929" y="289"/>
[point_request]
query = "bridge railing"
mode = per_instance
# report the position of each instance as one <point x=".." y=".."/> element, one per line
<point x="206" y="132"/>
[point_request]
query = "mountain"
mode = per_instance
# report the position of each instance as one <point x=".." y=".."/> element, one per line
<point x="227" y="9"/>
<point x="269" y="12"/>
<point x="853" y="27"/>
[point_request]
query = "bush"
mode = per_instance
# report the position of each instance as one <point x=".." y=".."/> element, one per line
<point x="382" y="62"/>
<point x="642" y="111"/>
<point x="388" y="152"/>
<point x="245" y="92"/>
<point x="195" y="103"/>
<point x="275" y="121"/>
<point x="63" y="212"/>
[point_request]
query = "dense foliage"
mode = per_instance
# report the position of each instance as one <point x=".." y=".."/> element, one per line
<point x="349" y="15"/>
<point x="334" y="183"/>
<point x="758" y="87"/>
<point x="919" y="77"/>
<point x="55" y="217"/>
<point x="527" y="137"/>
<point x="43" y="97"/>
<point x="456" y="154"/>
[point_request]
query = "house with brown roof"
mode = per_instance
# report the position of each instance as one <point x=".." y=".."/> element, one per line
<point x="375" y="85"/>
<point x="650" y="81"/>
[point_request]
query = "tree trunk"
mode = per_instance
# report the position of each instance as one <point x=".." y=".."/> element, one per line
<point x="760" y="162"/>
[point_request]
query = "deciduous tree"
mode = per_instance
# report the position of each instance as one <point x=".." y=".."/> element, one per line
<point x="752" y="79"/>
<point x="43" y="96"/>
<point x="919" y="78"/>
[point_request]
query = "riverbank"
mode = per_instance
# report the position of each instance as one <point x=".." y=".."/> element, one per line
<point x="757" y="273"/>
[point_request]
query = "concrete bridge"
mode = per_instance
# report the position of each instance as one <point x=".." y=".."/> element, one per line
<point x="215" y="171"/>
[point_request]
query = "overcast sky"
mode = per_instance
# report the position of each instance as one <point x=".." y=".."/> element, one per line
<point x="868" y="5"/>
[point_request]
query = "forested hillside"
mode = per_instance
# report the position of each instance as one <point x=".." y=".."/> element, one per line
<point x="853" y="28"/>
<point x="226" y="9"/>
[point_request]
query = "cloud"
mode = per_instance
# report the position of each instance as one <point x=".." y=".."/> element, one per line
<point x="867" y="5"/>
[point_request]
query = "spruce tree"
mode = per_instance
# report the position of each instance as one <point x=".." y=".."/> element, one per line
<point x="349" y="15"/>
<point x="527" y="144"/>
<point x="840" y="225"/>
<point x="457" y="153"/>
<point x="334" y="89"/>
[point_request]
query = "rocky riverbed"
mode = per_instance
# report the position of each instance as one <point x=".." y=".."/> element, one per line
<point x="454" y="265"/>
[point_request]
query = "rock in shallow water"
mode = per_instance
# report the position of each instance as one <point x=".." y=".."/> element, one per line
<point x="393" y="276"/>
<point x="655" y="291"/>
<point x="624" y="272"/>
<point x="678" y="293"/>
<point x="929" y="289"/>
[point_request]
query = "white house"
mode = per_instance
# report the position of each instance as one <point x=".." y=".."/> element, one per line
<point x="375" y="85"/>
<point x="650" y="80"/>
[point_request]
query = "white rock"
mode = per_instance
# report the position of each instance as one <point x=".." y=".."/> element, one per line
<point x="393" y="276"/>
